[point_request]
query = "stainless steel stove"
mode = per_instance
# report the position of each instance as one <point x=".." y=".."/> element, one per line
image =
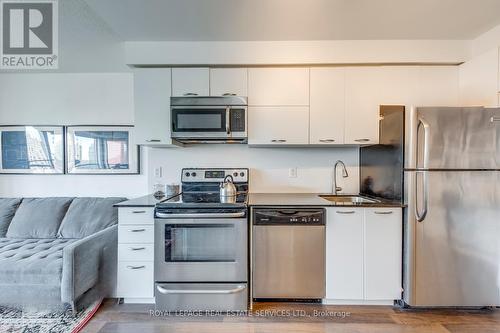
<point x="201" y="244"/>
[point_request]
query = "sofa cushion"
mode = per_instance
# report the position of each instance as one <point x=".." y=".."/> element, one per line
<point x="8" y="208"/>
<point x="31" y="261"/>
<point x="87" y="216"/>
<point x="38" y="218"/>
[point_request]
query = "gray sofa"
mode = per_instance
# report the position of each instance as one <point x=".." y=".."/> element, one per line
<point x="55" y="252"/>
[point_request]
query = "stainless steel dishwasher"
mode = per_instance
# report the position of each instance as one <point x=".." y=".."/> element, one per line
<point x="288" y="253"/>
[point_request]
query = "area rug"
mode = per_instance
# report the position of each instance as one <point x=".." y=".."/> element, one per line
<point x="17" y="321"/>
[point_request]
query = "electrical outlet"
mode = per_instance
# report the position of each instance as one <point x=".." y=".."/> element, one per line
<point x="158" y="172"/>
<point x="292" y="173"/>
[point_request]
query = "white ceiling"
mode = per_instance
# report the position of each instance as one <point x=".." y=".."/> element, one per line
<point x="231" y="20"/>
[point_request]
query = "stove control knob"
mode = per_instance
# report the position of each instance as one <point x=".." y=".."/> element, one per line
<point x="188" y="174"/>
<point x="235" y="174"/>
<point x="193" y="174"/>
<point x="242" y="174"/>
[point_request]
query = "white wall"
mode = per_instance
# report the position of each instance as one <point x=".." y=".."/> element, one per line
<point x="65" y="99"/>
<point x="478" y="80"/>
<point x="268" y="166"/>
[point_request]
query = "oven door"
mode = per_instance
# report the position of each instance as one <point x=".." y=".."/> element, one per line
<point x="216" y="122"/>
<point x="201" y="250"/>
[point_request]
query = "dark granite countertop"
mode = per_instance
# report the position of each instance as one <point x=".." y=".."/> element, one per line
<point x="309" y="199"/>
<point x="144" y="201"/>
<point x="272" y="199"/>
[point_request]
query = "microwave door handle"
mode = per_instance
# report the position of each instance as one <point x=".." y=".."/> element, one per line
<point x="228" y="123"/>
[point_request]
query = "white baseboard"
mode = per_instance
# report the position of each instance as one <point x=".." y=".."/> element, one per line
<point x="139" y="300"/>
<point x="357" y="302"/>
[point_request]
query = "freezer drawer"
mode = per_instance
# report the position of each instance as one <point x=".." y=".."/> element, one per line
<point x="289" y="261"/>
<point x="201" y="296"/>
<point x="452" y="239"/>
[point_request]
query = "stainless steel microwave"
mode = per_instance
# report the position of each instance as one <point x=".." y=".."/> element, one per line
<point x="209" y="119"/>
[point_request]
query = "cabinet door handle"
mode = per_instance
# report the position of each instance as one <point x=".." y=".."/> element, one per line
<point x="278" y="140"/>
<point x="153" y="140"/>
<point x="228" y="94"/>
<point x="138" y="212"/>
<point x="362" y="140"/>
<point x="137" y="248"/>
<point x="326" y="140"/>
<point x="136" y="267"/>
<point x="137" y="230"/>
<point x="190" y="94"/>
<point x="494" y="119"/>
<point x="345" y="212"/>
<point x="384" y="213"/>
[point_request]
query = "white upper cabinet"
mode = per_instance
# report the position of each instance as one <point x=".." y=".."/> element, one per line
<point x="152" y="106"/>
<point x="437" y="86"/>
<point x="228" y="81"/>
<point x="478" y="80"/>
<point x="327" y="106"/>
<point x="190" y="81"/>
<point x="278" y="86"/>
<point x="383" y="253"/>
<point x="362" y="103"/>
<point x="278" y="125"/>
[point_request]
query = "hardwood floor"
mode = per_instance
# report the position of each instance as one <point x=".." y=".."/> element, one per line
<point x="295" y="318"/>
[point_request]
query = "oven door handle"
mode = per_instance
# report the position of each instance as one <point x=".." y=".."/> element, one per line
<point x="201" y="215"/>
<point x="164" y="290"/>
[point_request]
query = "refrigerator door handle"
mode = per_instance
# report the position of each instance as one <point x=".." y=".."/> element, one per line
<point x="425" y="125"/>
<point x="421" y="215"/>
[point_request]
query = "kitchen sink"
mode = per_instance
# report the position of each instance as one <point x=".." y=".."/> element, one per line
<point x="348" y="199"/>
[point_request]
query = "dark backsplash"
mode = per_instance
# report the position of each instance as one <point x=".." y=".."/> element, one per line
<point x="381" y="166"/>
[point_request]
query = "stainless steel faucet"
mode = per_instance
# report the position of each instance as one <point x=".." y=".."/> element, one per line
<point x="336" y="188"/>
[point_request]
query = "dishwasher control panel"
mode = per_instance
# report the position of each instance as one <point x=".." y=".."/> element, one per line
<point x="289" y="216"/>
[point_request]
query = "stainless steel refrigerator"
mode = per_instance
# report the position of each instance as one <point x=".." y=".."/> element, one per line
<point x="452" y="220"/>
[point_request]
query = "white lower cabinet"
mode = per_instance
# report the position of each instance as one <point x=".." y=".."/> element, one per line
<point x="364" y="255"/>
<point x="135" y="279"/>
<point x="383" y="253"/>
<point x="344" y="253"/>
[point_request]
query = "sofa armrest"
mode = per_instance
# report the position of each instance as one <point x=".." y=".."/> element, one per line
<point x="82" y="263"/>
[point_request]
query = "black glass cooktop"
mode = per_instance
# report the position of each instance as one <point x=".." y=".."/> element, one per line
<point x="204" y="199"/>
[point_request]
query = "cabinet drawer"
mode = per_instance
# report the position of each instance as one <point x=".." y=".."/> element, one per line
<point x="135" y="234"/>
<point x="136" y="215"/>
<point x="135" y="252"/>
<point x="135" y="279"/>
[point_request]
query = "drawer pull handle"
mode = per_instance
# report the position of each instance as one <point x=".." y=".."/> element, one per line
<point x="153" y="140"/>
<point x="345" y="212"/>
<point x="494" y="119"/>
<point x="228" y="94"/>
<point x="384" y="213"/>
<point x="326" y="140"/>
<point x="139" y="212"/>
<point x="137" y="230"/>
<point x="278" y="140"/>
<point x="190" y="94"/>
<point x="362" y="140"/>
<point x="136" y="267"/>
<point x="137" y="248"/>
<point x="165" y="291"/>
